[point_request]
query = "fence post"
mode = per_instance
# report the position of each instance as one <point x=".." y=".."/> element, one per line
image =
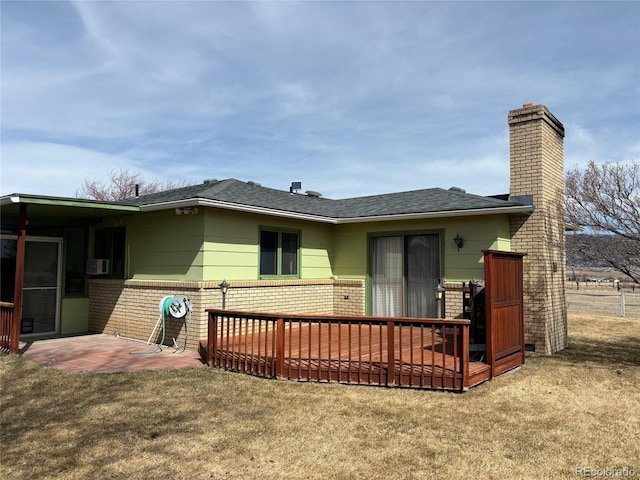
<point x="622" y="304"/>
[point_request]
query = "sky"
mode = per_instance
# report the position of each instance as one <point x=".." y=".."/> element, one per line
<point x="350" y="98"/>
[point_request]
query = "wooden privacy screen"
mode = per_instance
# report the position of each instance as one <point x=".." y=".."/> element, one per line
<point x="504" y="310"/>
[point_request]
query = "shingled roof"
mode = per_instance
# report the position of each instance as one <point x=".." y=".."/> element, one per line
<point x="232" y="193"/>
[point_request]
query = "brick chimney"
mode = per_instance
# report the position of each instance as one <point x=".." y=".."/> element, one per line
<point x="537" y="169"/>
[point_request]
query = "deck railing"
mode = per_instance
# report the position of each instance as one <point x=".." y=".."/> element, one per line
<point x="9" y="341"/>
<point x="401" y="352"/>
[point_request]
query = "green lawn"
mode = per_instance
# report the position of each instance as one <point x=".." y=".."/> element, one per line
<point x="578" y="409"/>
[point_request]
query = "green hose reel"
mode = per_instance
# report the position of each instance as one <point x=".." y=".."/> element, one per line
<point x="176" y="306"/>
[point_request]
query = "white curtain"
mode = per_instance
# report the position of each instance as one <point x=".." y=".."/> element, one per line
<point x="386" y="277"/>
<point x="404" y="272"/>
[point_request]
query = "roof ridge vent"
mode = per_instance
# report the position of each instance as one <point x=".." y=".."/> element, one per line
<point x="254" y="184"/>
<point x="313" y="193"/>
<point x="457" y="189"/>
<point x="210" y="180"/>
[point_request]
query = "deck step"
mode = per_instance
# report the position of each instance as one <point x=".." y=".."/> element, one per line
<point x="202" y="350"/>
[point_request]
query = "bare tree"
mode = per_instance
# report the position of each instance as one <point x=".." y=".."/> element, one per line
<point x="604" y="200"/>
<point x="122" y="184"/>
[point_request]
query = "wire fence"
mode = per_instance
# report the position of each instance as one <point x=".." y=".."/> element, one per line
<point x="612" y="303"/>
<point x="602" y="286"/>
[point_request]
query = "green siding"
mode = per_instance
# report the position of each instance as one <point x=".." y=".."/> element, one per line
<point x="165" y="246"/>
<point x="231" y="245"/>
<point x="216" y="244"/>
<point x="479" y="233"/>
<point x="74" y="315"/>
<point x="350" y="247"/>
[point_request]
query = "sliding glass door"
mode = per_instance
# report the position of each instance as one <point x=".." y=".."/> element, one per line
<point x="422" y="271"/>
<point x="404" y="271"/>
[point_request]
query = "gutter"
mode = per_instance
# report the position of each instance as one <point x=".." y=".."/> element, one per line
<point x="200" y="202"/>
<point x="9" y="200"/>
<point x="511" y="210"/>
<point x="53" y="202"/>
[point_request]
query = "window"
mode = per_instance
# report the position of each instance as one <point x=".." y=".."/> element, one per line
<point x="76" y="246"/>
<point x="278" y="253"/>
<point x="110" y="244"/>
<point x="8" y="249"/>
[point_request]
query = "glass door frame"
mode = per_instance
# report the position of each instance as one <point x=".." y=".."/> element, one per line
<point x="403" y="234"/>
<point x="58" y="286"/>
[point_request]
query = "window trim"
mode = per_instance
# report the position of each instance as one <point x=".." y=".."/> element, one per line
<point x="280" y="231"/>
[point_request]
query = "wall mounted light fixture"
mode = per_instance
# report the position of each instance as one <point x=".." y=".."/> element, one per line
<point x="459" y="241"/>
<point x="224" y="286"/>
<point x="438" y="293"/>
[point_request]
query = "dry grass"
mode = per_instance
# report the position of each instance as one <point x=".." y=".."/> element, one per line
<point x="576" y="409"/>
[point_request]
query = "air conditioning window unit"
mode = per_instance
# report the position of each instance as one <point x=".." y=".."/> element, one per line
<point x="98" y="266"/>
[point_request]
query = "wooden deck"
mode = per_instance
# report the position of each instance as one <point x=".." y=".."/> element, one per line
<point x="422" y="353"/>
<point x="396" y="352"/>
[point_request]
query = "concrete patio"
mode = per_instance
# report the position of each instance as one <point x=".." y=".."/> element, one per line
<point x="101" y="353"/>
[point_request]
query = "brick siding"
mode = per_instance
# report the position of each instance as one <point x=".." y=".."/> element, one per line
<point x="537" y="168"/>
<point x="131" y="308"/>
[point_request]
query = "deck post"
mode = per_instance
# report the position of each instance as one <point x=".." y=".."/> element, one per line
<point x="391" y="359"/>
<point x="464" y="357"/>
<point x="279" y="335"/>
<point x="14" y="339"/>
<point x="212" y="339"/>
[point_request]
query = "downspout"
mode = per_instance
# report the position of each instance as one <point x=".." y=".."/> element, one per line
<point x="14" y="344"/>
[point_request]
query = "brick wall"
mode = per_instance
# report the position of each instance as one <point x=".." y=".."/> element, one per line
<point x="537" y="168"/>
<point x="131" y="308"/>
<point x="349" y="297"/>
<point x="453" y="300"/>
